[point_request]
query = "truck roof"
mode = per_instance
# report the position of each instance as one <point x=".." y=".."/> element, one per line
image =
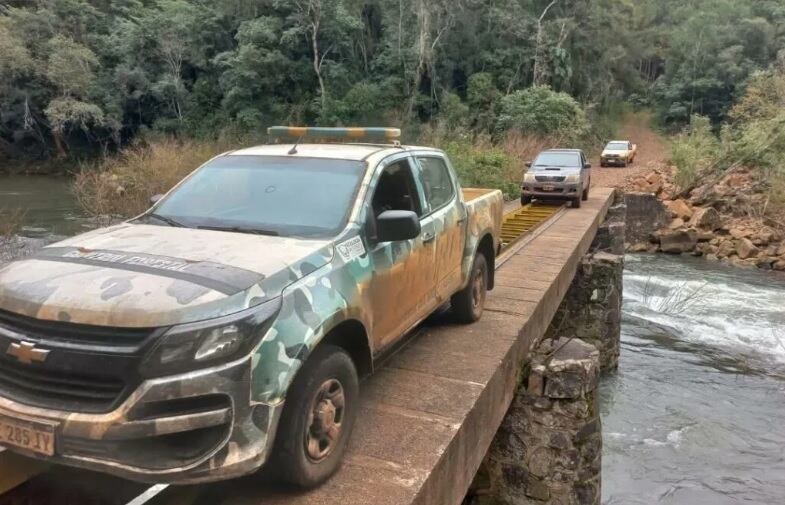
<point x="357" y="152"/>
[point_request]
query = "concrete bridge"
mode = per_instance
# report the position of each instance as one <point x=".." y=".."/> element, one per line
<point x="430" y="415"/>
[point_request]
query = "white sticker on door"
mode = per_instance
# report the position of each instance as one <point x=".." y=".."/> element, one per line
<point x="351" y="249"/>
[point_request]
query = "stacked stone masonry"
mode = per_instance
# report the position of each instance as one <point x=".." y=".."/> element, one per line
<point x="548" y="448"/>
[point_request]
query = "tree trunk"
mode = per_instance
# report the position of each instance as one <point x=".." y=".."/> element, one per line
<point x="59" y="145"/>
<point x="538" y="72"/>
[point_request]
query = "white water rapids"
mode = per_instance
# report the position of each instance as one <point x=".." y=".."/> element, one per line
<point x="696" y="413"/>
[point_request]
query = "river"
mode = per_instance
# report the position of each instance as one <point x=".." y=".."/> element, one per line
<point x="49" y="206"/>
<point x="696" y="413"/>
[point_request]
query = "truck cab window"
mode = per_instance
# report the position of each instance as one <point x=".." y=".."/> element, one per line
<point x="396" y="190"/>
<point x="436" y="181"/>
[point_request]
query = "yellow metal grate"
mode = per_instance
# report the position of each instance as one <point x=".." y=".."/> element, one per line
<point x="523" y="220"/>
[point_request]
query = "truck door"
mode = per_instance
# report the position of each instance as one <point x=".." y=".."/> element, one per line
<point x="443" y="206"/>
<point x="402" y="287"/>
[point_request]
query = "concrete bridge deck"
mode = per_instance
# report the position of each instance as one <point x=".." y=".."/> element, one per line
<point x="430" y="414"/>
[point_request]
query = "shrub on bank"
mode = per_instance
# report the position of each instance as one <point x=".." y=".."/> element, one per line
<point x="694" y="152"/>
<point x="122" y="185"/>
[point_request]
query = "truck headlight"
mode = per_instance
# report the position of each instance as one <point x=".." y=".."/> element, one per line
<point x="572" y="178"/>
<point x="527" y="177"/>
<point x="194" y="345"/>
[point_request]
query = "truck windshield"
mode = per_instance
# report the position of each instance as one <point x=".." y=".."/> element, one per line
<point x="616" y="146"/>
<point x="571" y="160"/>
<point x="272" y="195"/>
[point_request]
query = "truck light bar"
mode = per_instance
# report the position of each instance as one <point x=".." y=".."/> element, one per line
<point x="300" y="132"/>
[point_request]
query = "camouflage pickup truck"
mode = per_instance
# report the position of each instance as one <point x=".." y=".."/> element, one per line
<point x="227" y="327"/>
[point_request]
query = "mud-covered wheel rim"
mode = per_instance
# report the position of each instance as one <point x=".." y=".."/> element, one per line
<point x="325" y="420"/>
<point x="478" y="287"/>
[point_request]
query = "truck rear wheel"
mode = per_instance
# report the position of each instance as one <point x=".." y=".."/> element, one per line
<point x="317" y="419"/>
<point x="468" y="303"/>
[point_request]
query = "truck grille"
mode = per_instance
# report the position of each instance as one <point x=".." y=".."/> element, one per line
<point x="35" y="385"/>
<point x="87" y="369"/>
<point x="549" y="178"/>
<point x="58" y="331"/>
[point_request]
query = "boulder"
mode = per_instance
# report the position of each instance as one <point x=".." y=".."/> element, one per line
<point x="725" y="249"/>
<point x="638" y="247"/>
<point x="781" y="250"/>
<point x="678" y="241"/>
<point x="738" y="233"/>
<point x="779" y="265"/>
<point x="705" y="236"/>
<point x="746" y="249"/>
<point x="707" y="218"/>
<point x="676" y="224"/>
<point x="681" y="209"/>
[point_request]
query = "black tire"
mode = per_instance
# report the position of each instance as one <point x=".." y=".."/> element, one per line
<point x="585" y="194"/>
<point x="576" y="202"/>
<point x="468" y="303"/>
<point x="291" y="460"/>
<point x="603" y="165"/>
<point x="526" y="199"/>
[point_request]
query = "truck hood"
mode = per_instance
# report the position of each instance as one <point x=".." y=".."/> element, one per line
<point x="135" y="275"/>
<point x="614" y="151"/>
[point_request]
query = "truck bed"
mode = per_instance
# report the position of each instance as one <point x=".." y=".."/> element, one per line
<point x="486" y="209"/>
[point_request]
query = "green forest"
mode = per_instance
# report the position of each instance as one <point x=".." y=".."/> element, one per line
<point x="80" y="78"/>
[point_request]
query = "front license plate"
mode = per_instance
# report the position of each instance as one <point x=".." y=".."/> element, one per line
<point x="548" y="187"/>
<point x="30" y="435"/>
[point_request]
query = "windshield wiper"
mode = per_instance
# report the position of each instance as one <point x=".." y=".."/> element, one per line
<point x="241" y="229"/>
<point x="167" y="220"/>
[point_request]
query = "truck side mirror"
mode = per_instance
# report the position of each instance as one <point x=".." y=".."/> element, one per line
<point x="528" y="164"/>
<point x="587" y="165"/>
<point x="156" y="198"/>
<point x="396" y="225"/>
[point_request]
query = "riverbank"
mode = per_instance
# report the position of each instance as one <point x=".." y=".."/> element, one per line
<point x="724" y="219"/>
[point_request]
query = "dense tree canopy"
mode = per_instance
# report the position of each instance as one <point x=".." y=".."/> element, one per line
<point x="83" y="76"/>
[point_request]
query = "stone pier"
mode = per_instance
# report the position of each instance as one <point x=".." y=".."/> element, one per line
<point x="548" y="448"/>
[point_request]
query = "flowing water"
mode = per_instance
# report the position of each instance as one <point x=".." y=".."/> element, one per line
<point x="696" y="413"/>
<point x="50" y="209"/>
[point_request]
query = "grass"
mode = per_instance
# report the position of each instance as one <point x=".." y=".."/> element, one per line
<point x="11" y="221"/>
<point x="678" y="300"/>
<point x="121" y="186"/>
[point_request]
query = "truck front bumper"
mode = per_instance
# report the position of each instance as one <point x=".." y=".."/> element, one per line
<point x="195" y="427"/>
<point x="551" y="190"/>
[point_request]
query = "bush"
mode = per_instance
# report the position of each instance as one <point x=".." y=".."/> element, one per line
<point x="121" y="186"/>
<point x="694" y="152"/>
<point x="482" y="165"/>
<point x="541" y="111"/>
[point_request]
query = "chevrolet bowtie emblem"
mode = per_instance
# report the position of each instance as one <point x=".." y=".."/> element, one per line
<point x="26" y="353"/>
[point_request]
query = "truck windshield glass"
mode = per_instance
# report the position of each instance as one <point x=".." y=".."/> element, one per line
<point x="273" y="195"/>
<point x="544" y="160"/>
<point x="617" y="146"/>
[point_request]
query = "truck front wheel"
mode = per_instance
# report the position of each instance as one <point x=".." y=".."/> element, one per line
<point x="318" y="417"/>
<point x="526" y="199"/>
<point x="468" y="303"/>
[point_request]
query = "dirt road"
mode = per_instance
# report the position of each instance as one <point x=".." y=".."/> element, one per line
<point x="652" y="151"/>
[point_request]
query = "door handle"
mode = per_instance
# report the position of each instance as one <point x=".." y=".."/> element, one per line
<point x="428" y="237"/>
